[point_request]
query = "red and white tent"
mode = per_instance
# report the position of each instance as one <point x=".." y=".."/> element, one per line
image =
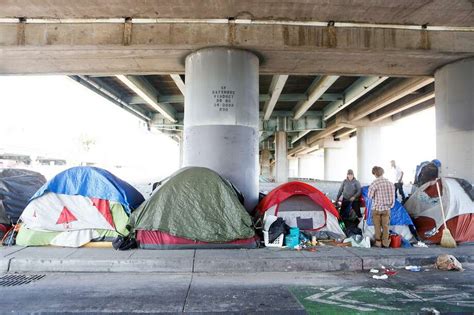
<point x="425" y="209"/>
<point x="301" y="205"/>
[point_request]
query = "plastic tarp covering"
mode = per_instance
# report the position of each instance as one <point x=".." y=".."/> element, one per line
<point x="402" y="230"/>
<point x="17" y="186"/>
<point x="197" y="204"/>
<point x="93" y="182"/>
<point x="398" y="214"/>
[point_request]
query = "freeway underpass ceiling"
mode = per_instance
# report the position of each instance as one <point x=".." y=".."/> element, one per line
<point x="306" y="108"/>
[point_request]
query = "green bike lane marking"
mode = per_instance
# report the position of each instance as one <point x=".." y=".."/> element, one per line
<point x="381" y="298"/>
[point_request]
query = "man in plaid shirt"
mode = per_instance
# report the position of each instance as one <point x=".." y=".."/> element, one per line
<point x="382" y="193"/>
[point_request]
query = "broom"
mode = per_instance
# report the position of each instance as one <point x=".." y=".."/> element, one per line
<point x="447" y="239"/>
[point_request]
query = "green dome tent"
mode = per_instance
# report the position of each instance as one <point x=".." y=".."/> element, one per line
<point x="194" y="208"/>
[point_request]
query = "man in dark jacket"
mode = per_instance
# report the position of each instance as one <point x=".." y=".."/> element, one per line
<point x="350" y="191"/>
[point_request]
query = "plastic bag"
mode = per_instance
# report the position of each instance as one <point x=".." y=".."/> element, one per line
<point x="276" y="229"/>
<point x="448" y="262"/>
<point x="358" y="241"/>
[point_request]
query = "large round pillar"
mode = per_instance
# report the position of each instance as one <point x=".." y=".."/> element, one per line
<point x="454" y="87"/>
<point x="281" y="157"/>
<point x="221" y="116"/>
<point x="369" y="152"/>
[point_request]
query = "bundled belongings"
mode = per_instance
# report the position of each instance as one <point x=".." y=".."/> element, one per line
<point x="400" y="221"/>
<point x="303" y="206"/>
<point x="77" y="206"/>
<point x="17" y="186"/>
<point x="424" y="206"/>
<point x="448" y="262"/>
<point x="194" y="208"/>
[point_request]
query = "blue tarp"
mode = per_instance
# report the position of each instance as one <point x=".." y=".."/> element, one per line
<point x="93" y="182"/>
<point x="398" y="214"/>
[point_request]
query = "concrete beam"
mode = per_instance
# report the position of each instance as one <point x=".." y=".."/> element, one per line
<point x="358" y="89"/>
<point x="300" y="135"/>
<point x="295" y="97"/>
<point x="310" y="149"/>
<point x="341" y="134"/>
<point x="179" y="82"/>
<point x="393" y="92"/>
<point x="339" y="123"/>
<point x="298" y="149"/>
<point x="110" y="95"/>
<point x="440" y="12"/>
<point x="418" y="108"/>
<point x="276" y="87"/>
<point x="314" y="92"/>
<point x="149" y="95"/>
<point x="157" y="48"/>
<point x="401" y="105"/>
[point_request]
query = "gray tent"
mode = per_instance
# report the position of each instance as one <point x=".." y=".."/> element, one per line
<point x="17" y="186"/>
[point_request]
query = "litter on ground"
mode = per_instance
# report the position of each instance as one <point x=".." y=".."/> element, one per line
<point x="448" y="262"/>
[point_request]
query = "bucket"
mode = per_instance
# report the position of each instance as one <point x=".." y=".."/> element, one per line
<point x="295" y="232"/>
<point x="395" y="241"/>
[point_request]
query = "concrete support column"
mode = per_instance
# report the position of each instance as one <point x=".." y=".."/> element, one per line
<point x="339" y="156"/>
<point x="454" y="87"/>
<point x="369" y="152"/>
<point x="221" y="116"/>
<point x="265" y="163"/>
<point x="332" y="165"/>
<point x="281" y="155"/>
<point x="300" y="167"/>
<point x="181" y="144"/>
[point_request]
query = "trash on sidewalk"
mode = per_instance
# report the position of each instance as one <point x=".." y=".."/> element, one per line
<point x="382" y="277"/>
<point x="374" y="270"/>
<point x="390" y="272"/>
<point x="358" y="241"/>
<point x="420" y="244"/>
<point x="413" y="268"/>
<point x="448" y="262"/>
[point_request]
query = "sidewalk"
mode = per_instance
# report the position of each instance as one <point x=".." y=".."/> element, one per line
<point x="52" y="259"/>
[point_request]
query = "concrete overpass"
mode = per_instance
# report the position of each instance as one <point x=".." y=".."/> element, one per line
<point x="314" y="71"/>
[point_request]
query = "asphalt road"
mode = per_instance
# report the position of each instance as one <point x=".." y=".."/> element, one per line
<point x="265" y="293"/>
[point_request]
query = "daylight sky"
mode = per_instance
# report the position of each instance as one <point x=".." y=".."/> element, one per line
<point x="52" y="115"/>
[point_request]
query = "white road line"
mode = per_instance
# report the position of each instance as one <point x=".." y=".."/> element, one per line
<point x="341" y="297"/>
<point x="333" y="289"/>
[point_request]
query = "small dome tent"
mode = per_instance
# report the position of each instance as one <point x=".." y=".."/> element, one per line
<point x="194" y="208"/>
<point x="457" y="196"/>
<point x="77" y="206"/>
<point x="301" y="205"/>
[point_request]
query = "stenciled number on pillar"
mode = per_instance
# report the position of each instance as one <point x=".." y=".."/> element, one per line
<point x="223" y="98"/>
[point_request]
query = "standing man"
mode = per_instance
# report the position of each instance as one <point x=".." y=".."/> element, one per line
<point x="350" y="191"/>
<point x="382" y="193"/>
<point x="397" y="177"/>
